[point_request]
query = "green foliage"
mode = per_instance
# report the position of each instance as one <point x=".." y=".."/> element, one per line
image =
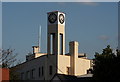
<point x="107" y="65"/>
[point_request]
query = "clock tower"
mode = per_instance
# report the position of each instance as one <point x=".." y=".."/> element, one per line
<point x="56" y="33"/>
<point x="55" y="41"/>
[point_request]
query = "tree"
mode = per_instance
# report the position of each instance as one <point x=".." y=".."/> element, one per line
<point x="107" y="65"/>
<point x="7" y="59"/>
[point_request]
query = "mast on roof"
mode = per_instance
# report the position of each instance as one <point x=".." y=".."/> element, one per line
<point x="39" y="37"/>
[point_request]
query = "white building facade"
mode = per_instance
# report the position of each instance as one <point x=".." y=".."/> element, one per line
<point x="43" y="66"/>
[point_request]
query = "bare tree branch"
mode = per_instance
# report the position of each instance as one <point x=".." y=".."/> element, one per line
<point x="7" y="57"/>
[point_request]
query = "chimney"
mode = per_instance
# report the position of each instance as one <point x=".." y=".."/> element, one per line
<point x="35" y="49"/>
<point x="73" y="50"/>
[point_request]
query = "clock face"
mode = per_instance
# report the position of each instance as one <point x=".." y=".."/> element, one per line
<point x="52" y="18"/>
<point x="61" y="18"/>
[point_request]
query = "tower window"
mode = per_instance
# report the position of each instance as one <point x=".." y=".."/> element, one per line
<point x="61" y="44"/>
<point x="28" y="75"/>
<point x="52" y="43"/>
<point x="42" y="71"/>
<point x="22" y="76"/>
<point x="39" y="71"/>
<point x="32" y="73"/>
<point x="50" y="70"/>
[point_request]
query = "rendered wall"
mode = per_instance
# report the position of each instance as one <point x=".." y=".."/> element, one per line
<point x="82" y="66"/>
<point x="63" y="63"/>
<point x="29" y="66"/>
<point x="51" y="61"/>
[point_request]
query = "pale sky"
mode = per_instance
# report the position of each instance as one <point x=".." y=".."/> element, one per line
<point x="0" y="25"/>
<point x="93" y="25"/>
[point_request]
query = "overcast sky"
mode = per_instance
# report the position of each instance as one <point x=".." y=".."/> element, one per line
<point x="0" y="25"/>
<point x="93" y="25"/>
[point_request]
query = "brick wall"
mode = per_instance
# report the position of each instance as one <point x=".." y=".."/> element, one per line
<point x="4" y="74"/>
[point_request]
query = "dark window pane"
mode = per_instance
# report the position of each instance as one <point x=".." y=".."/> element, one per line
<point x="42" y="71"/>
<point x="50" y="70"/>
<point x="39" y="71"/>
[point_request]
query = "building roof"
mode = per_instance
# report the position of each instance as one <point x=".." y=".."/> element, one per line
<point x="63" y="77"/>
<point x="43" y="56"/>
<point x="86" y="75"/>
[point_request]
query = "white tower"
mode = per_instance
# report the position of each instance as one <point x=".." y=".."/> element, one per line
<point x="55" y="41"/>
<point x="56" y="33"/>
